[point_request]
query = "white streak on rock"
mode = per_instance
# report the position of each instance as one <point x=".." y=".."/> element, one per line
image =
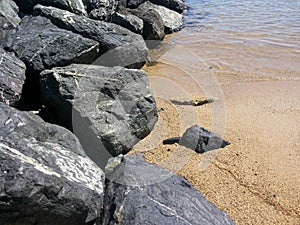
<point x="23" y="158"/>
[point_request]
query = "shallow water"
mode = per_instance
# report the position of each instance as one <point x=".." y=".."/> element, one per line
<point x="253" y="40"/>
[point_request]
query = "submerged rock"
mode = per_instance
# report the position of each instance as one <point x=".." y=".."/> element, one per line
<point x="118" y="46"/>
<point x="172" y="20"/>
<point x="108" y="108"/>
<point x="45" y="177"/>
<point x="12" y="77"/>
<point x="141" y="193"/>
<point x="9" y="18"/>
<point x="42" y="45"/>
<point x="198" y="139"/>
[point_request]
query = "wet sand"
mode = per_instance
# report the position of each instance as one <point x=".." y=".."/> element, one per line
<point x="256" y="178"/>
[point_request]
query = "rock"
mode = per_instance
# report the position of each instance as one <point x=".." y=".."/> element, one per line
<point x="102" y="14"/>
<point x="41" y="45"/>
<point x="96" y="4"/>
<point x="171" y="19"/>
<point x="121" y="4"/>
<point x="118" y="46"/>
<point x="44" y="176"/>
<point x="153" y="25"/>
<point x="12" y="77"/>
<point x="175" y="5"/>
<point x="101" y="9"/>
<point x="131" y="22"/>
<point x="108" y="108"/>
<point x="75" y="6"/>
<point x="134" y="3"/>
<point x="141" y="193"/>
<point x="9" y="18"/>
<point x="198" y="139"/>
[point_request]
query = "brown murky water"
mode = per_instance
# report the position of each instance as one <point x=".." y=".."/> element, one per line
<point x="251" y="68"/>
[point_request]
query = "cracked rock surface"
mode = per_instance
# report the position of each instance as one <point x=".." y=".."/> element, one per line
<point x="172" y="20"/>
<point x="45" y="177"/>
<point x="12" y="77"/>
<point x="141" y="193"/>
<point x="42" y="45"/>
<point x="76" y="6"/>
<point x="9" y="18"/>
<point x="108" y="108"/>
<point x="118" y="46"/>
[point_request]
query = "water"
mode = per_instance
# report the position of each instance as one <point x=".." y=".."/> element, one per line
<point x="252" y="40"/>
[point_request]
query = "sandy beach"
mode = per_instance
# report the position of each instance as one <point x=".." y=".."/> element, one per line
<point x="256" y="178"/>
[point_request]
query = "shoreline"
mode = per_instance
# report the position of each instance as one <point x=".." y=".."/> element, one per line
<point x="254" y="179"/>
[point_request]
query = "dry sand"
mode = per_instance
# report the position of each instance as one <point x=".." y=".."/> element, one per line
<point x="256" y="178"/>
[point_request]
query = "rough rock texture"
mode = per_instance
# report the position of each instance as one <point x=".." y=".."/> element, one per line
<point x="102" y="14"/>
<point x="75" y="6"/>
<point x="142" y="193"/>
<point x="108" y="108"/>
<point x="171" y="19"/>
<point x="96" y="4"/>
<point x="12" y="77"/>
<point x="41" y="45"/>
<point x="134" y="3"/>
<point x="101" y="9"/>
<point x="9" y="18"/>
<point x="153" y="25"/>
<point x="121" y="46"/>
<point x="201" y="140"/>
<point x="131" y="22"/>
<point x="44" y="176"/>
<point x="176" y="5"/>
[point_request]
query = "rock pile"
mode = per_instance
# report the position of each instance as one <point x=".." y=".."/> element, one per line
<point x="75" y="63"/>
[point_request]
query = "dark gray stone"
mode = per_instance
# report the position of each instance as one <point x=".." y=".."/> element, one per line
<point x="134" y="3"/>
<point x="101" y="9"/>
<point x="131" y="22"/>
<point x="108" y="108"/>
<point x="198" y="139"/>
<point x="141" y="193"/>
<point x="102" y="14"/>
<point x="118" y="46"/>
<point x="42" y="45"/>
<point x="45" y="178"/>
<point x="12" y="77"/>
<point x="175" y="5"/>
<point x="75" y="6"/>
<point x="171" y="19"/>
<point x="9" y="18"/>
<point x="153" y="25"/>
<point x="96" y="4"/>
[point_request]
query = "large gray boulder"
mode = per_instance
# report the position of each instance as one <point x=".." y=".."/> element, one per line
<point x="12" y="77"/>
<point x="75" y="6"/>
<point x="45" y="178"/>
<point x="118" y="46"/>
<point x="153" y="25"/>
<point x="176" y="5"/>
<point x="141" y="193"/>
<point x="131" y="22"/>
<point x="9" y="18"/>
<point x="42" y="45"/>
<point x="171" y="19"/>
<point x="108" y="108"/>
